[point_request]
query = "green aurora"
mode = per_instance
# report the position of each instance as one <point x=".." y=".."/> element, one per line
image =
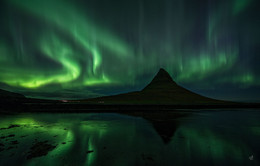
<point x="81" y="49"/>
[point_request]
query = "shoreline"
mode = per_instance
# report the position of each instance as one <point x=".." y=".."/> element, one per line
<point x="110" y="108"/>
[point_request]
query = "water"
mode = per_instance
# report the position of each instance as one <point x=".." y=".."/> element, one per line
<point x="200" y="138"/>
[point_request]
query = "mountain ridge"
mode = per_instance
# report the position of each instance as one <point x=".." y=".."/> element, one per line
<point x="6" y="94"/>
<point x="161" y="90"/>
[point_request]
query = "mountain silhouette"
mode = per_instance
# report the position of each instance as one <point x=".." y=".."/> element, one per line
<point x="162" y="81"/>
<point x="161" y="90"/>
<point x="10" y="95"/>
<point x="10" y="100"/>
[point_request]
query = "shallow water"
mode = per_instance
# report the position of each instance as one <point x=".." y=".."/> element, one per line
<point x="202" y="138"/>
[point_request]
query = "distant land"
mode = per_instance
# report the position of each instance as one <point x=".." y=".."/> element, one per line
<point x="161" y="90"/>
<point x="6" y="95"/>
<point x="162" y="93"/>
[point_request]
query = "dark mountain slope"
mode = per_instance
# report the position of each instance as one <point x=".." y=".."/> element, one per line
<point x="161" y="90"/>
<point x="6" y="95"/>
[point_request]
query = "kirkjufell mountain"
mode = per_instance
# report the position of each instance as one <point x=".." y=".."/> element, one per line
<point x="161" y="90"/>
<point x="6" y="96"/>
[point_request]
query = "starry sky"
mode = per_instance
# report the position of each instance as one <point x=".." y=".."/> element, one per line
<point x="71" y="49"/>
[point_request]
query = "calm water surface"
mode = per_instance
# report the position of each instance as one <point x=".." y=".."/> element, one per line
<point x="202" y="138"/>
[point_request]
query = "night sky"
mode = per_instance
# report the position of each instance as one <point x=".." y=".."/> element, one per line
<point x="88" y="48"/>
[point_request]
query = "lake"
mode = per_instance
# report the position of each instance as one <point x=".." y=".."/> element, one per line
<point x="208" y="137"/>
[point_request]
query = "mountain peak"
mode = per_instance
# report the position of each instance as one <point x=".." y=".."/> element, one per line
<point x="163" y="75"/>
<point x="161" y="90"/>
<point x="161" y="78"/>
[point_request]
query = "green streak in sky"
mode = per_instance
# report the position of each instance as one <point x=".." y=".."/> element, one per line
<point x="240" y="5"/>
<point x="204" y="65"/>
<point x="244" y="79"/>
<point x="67" y="45"/>
<point x="90" y="38"/>
<point x="255" y="130"/>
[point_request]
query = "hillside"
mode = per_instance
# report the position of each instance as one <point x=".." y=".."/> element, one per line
<point x="161" y="90"/>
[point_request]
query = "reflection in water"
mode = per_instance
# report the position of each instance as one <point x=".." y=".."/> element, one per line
<point x="165" y="129"/>
<point x="217" y="138"/>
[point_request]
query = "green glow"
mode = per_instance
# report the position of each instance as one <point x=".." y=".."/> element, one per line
<point x="240" y="5"/>
<point x="61" y="44"/>
<point x="91" y="156"/>
<point x="247" y="78"/>
<point x="205" y="65"/>
<point x="244" y="79"/>
<point x="103" y="79"/>
<point x="121" y="140"/>
<point x="208" y="143"/>
<point x="255" y="130"/>
<point x="86" y="35"/>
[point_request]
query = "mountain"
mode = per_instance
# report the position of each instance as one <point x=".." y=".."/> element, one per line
<point x="161" y="90"/>
<point x="10" y="100"/>
<point x="10" y="95"/>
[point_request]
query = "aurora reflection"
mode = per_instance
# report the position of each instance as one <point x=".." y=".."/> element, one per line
<point x="204" y="138"/>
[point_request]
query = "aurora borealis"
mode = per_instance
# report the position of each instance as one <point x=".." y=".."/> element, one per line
<point x="81" y="49"/>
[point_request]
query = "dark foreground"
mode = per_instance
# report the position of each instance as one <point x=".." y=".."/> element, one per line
<point x="180" y="137"/>
<point x="54" y="106"/>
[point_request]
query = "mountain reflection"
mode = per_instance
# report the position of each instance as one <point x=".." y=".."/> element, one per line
<point x="165" y="124"/>
<point x="140" y="139"/>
